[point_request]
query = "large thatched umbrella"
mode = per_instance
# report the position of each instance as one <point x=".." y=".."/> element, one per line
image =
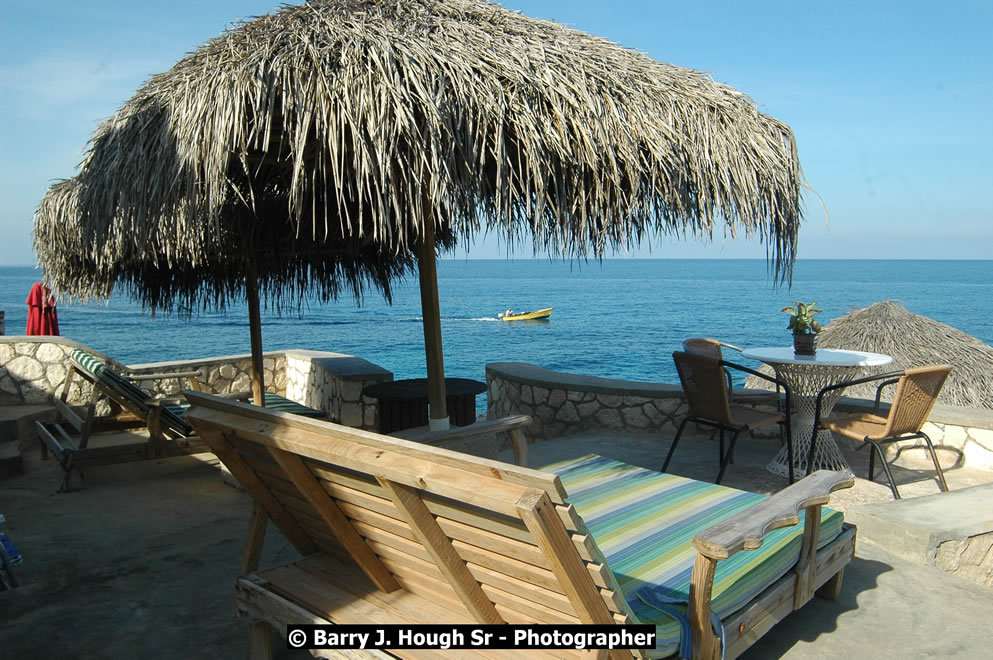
<point x="396" y="127"/>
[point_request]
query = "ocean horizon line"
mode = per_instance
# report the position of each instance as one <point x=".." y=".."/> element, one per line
<point x="671" y="258"/>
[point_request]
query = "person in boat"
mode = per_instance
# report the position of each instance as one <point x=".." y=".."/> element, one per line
<point x="509" y="312"/>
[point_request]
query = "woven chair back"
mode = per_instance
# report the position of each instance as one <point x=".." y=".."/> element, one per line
<point x="704" y="385"/>
<point x="915" y="395"/>
<point x="700" y="346"/>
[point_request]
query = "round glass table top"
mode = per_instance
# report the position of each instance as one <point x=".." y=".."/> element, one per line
<point x="824" y="357"/>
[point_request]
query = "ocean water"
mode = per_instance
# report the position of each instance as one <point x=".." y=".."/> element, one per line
<point x="615" y="319"/>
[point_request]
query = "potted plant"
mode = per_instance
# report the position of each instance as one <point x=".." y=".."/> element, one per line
<point x="804" y="327"/>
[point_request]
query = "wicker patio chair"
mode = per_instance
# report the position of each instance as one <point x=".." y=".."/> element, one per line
<point x="745" y="395"/>
<point x="707" y="393"/>
<point x="916" y="391"/>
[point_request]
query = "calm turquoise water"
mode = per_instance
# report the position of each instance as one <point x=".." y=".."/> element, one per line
<point x="618" y="319"/>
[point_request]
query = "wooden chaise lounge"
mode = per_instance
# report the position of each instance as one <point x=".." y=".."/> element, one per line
<point x="395" y="532"/>
<point x="68" y="438"/>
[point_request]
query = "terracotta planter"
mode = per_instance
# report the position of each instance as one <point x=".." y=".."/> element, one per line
<point x="804" y="344"/>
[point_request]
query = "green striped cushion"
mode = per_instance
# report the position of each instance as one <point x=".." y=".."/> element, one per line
<point x="644" y="521"/>
<point x="282" y="404"/>
<point x="89" y="363"/>
<point x="137" y="396"/>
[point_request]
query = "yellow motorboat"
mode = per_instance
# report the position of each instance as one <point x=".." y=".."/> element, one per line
<point x="511" y="315"/>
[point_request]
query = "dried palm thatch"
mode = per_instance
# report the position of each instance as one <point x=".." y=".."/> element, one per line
<point x="916" y="341"/>
<point x="285" y="267"/>
<point x="328" y="142"/>
<point x="339" y="124"/>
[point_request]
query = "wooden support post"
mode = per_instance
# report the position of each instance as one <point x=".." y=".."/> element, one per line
<point x="807" y="563"/>
<point x="431" y="315"/>
<point x="439" y="547"/>
<point x="706" y="646"/>
<point x="255" y="330"/>
<point x="520" y="444"/>
<point x="543" y="521"/>
<point x="256" y="537"/>
<point x="259" y="492"/>
<point x="831" y="590"/>
<point x="260" y="641"/>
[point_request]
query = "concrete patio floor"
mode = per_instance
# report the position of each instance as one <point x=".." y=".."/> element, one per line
<point x="141" y="563"/>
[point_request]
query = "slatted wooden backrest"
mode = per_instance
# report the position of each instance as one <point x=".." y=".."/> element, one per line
<point x="494" y="540"/>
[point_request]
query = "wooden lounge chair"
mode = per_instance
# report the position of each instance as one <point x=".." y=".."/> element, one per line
<point x="396" y="532"/>
<point x="69" y="438"/>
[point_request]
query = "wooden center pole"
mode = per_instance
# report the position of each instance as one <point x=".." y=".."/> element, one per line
<point x="255" y="328"/>
<point x="431" y="313"/>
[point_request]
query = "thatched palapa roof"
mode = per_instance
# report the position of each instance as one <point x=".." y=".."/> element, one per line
<point x="915" y="341"/>
<point x="317" y="143"/>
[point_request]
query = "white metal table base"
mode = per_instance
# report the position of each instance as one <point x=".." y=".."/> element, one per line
<point x="805" y="381"/>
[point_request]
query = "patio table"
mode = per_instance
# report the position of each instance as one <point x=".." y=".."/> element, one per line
<point x="403" y="404"/>
<point x="806" y="375"/>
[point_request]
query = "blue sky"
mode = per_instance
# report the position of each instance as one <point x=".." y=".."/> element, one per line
<point x="891" y="103"/>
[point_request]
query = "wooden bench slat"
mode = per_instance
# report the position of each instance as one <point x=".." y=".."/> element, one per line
<point x="244" y="474"/>
<point x="424" y="526"/>
<point x="313" y="433"/>
<point x="341" y="527"/>
<point x="511" y="473"/>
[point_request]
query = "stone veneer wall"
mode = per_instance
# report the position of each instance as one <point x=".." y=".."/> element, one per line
<point x="334" y="382"/>
<point x="33" y="371"/>
<point x="562" y="403"/>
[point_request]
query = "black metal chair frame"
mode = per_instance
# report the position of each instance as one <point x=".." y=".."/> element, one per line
<point x="891" y="378"/>
<point x="726" y="458"/>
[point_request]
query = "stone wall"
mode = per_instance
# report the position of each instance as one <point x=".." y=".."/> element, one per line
<point x="33" y="370"/>
<point x="219" y="375"/>
<point x="562" y="403"/>
<point x="970" y="558"/>
<point x="334" y="382"/>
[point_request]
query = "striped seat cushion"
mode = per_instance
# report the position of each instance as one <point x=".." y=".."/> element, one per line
<point x="125" y="388"/>
<point x="91" y="364"/>
<point x="644" y="522"/>
<point x="139" y="398"/>
<point x="282" y="404"/>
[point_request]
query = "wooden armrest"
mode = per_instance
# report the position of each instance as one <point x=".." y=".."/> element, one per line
<point x="237" y="396"/>
<point x="513" y="425"/>
<point x="503" y="425"/>
<point x="747" y="530"/>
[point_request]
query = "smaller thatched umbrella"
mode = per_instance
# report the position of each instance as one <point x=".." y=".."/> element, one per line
<point x="277" y="267"/>
<point x="915" y="341"/>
